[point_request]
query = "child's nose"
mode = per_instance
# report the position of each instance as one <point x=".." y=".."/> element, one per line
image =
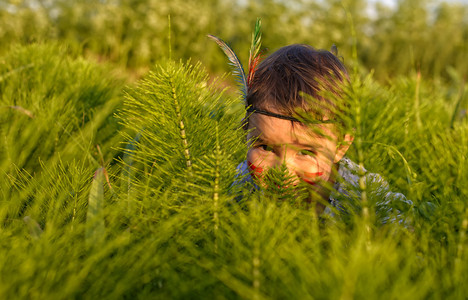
<point x="288" y="160"/>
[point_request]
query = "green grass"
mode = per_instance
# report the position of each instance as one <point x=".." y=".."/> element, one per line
<point x="160" y="227"/>
<point x="119" y="191"/>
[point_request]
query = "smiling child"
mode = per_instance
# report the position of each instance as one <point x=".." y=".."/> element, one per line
<point x="296" y="120"/>
<point x="290" y="81"/>
<point x="298" y="80"/>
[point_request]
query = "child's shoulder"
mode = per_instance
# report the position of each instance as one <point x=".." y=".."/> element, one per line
<point x="347" y="193"/>
<point x="348" y="177"/>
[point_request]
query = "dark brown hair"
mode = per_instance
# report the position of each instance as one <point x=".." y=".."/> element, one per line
<point x="285" y="78"/>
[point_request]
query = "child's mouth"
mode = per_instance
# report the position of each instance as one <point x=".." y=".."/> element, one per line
<point x="309" y="177"/>
<point x="312" y="178"/>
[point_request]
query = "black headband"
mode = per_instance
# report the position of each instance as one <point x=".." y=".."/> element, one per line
<point x="252" y="109"/>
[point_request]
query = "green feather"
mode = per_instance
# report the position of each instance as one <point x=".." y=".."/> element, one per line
<point x="254" y="56"/>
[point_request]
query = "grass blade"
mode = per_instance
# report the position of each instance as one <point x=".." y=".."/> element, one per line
<point x="94" y="219"/>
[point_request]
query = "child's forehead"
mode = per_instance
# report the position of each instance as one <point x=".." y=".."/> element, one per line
<point x="278" y="131"/>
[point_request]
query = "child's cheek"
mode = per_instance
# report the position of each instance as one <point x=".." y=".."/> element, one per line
<point x="254" y="170"/>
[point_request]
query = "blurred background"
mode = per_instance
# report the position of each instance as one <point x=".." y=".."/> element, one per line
<point x="392" y="37"/>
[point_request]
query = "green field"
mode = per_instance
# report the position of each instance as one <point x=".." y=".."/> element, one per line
<point x="120" y="137"/>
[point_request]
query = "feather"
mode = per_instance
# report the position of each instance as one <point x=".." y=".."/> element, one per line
<point x="254" y="57"/>
<point x="235" y="63"/>
<point x="334" y="50"/>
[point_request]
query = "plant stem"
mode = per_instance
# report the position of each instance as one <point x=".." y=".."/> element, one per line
<point x="216" y="189"/>
<point x="416" y="101"/>
<point x="183" y="136"/>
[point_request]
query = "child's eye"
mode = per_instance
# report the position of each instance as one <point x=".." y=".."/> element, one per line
<point x="307" y="152"/>
<point x="265" y="147"/>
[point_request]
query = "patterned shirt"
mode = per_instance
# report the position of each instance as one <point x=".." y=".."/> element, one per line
<point x="346" y="193"/>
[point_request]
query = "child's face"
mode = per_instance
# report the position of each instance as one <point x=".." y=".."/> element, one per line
<point x="308" y="155"/>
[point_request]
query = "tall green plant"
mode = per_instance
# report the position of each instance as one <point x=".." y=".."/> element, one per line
<point x="175" y="112"/>
<point x="170" y="223"/>
<point x="55" y="107"/>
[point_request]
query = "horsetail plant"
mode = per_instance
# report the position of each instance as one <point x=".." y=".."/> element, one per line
<point x="94" y="218"/>
<point x="201" y="236"/>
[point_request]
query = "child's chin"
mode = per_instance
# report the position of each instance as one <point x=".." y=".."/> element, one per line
<point x="311" y="182"/>
<point x="317" y="201"/>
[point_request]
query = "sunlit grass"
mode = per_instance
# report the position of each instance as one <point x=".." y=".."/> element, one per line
<point x="157" y="227"/>
<point x="114" y="191"/>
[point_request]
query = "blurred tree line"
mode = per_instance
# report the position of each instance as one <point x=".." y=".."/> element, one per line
<point x="415" y="35"/>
